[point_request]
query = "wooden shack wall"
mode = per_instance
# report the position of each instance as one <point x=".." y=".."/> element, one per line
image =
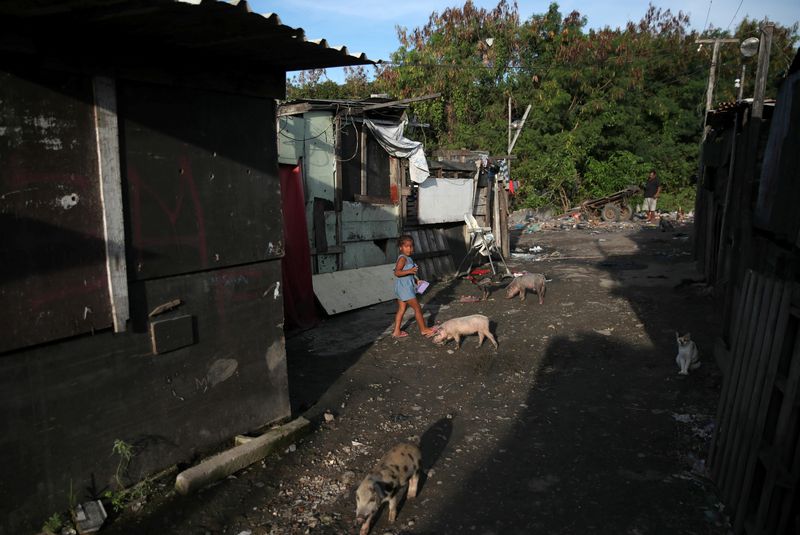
<point x="755" y="454"/>
<point x="202" y="225"/>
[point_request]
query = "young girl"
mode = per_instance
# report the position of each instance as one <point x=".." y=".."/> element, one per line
<point x="405" y="288"/>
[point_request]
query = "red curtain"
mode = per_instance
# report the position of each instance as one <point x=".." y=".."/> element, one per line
<point x="299" y="308"/>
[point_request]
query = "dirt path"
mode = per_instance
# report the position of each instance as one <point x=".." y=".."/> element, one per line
<point x="578" y="424"/>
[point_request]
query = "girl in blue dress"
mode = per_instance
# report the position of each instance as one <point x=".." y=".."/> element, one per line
<point x="405" y="288"/>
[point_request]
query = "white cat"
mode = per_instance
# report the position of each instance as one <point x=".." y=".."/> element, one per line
<point x="688" y="358"/>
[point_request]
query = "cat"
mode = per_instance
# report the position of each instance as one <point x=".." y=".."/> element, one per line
<point x="688" y="358"/>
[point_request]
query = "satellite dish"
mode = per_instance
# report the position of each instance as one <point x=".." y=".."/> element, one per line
<point x="749" y="47"/>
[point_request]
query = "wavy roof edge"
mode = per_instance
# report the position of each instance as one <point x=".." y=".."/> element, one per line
<point x="275" y="19"/>
<point x="226" y="28"/>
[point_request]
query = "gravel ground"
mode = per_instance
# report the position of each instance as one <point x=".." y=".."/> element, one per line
<point x="579" y="423"/>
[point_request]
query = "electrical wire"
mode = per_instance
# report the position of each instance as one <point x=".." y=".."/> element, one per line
<point x="734" y="15"/>
<point x="707" y="14"/>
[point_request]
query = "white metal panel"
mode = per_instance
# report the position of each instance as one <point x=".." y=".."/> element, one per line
<point x="319" y="162"/>
<point x="444" y="200"/>
<point x="368" y="253"/>
<point x="291" y="131"/>
<point x="354" y="288"/>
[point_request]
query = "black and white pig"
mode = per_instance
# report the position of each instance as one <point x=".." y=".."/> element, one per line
<point x="398" y="469"/>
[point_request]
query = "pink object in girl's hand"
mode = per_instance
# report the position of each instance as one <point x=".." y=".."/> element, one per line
<point x="422" y="286"/>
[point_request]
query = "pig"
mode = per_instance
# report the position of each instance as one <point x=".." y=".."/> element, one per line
<point x="397" y="470"/>
<point x="529" y="281"/>
<point x="458" y="327"/>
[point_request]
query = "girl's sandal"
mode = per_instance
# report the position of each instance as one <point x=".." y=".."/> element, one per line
<point x="402" y="334"/>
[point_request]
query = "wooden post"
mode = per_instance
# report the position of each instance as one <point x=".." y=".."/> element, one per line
<point x="763" y="68"/>
<point x="337" y="192"/>
<point x="108" y="159"/>
<point x="363" y="149"/>
<point x="712" y="76"/>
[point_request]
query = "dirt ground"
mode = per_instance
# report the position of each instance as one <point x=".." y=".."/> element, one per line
<point x="579" y="423"/>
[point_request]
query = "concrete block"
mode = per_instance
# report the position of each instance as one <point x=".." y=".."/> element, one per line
<point x="230" y="461"/>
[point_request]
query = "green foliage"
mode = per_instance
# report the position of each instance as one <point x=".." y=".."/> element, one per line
<point x="620" y="170"/>
<point x="605" y="104"/>
<point x="125" y="453"/>
<point x="671" y="201"/>
<point x="53" y="524"/>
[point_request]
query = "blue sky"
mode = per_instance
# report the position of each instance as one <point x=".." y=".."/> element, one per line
<point x="369" y="25"/>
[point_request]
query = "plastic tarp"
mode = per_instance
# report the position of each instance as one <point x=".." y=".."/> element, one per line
<point x="391" y="139"/>
<point x="299" y="307"/>
<point x="444" y="200"/>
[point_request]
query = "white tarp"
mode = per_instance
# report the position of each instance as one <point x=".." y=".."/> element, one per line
<point x="444" y="200"/>
<point x="391" y="138"/>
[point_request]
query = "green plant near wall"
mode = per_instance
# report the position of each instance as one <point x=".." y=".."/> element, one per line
<point x="53" y="524"/>
<point x="683" y="198"/>
<point x="125" y="453"/>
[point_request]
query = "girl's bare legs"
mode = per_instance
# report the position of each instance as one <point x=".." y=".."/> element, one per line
<point x="423" y="329"/>
<point x="398" y="318"/>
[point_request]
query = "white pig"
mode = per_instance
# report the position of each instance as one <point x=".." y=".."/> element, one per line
<point x="529" y="281"/>
<point x="457" y="327"/>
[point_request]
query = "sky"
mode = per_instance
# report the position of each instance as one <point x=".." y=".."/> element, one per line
<point x="369" y="25"/>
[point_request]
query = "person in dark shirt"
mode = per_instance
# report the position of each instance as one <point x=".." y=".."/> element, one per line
<point x="652" y="189"/>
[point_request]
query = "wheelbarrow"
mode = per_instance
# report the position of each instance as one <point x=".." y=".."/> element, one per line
<point x="614" y="207"/>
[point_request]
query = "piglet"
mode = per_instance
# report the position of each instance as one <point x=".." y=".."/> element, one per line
<point x="398" y="469"/>
<point x="529" y="281"/>
<point x="457" y="327"/>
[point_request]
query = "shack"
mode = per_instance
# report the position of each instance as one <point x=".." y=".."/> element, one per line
<point x="748" y="247"/>
<point x="141" y="238"/>
<point x="360" y="184"/>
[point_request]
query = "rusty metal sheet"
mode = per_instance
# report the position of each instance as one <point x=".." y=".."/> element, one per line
<point x="201" y="177"/>
<point x="53" y="281"/>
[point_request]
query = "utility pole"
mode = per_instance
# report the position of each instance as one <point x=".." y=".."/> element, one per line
<point x="763" y="67"/>
<point x="712" y="75"/>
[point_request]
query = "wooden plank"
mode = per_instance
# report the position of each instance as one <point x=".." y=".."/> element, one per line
<point x="293" y="109"/>
<point x="442" y="243"/>
<point x="400" y="102"/>
<point x="363" y="146"/>
<point x="785" y="430"/>
<point x="373" y="200"/>
<point x="107" y="128"/>
<point x="349" y="289"/>
<point x="751" y="427"/>
<point x="320" y="238"/>
<point x="719" y="441"/>
<point x="746" y="361"/>
<point x="172" y="333"/>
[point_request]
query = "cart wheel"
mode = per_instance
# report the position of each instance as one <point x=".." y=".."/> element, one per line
<point x="626" y="212"/>
<point x="610" y="212"/>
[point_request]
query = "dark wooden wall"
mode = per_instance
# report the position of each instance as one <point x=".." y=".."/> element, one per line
<point x="203" y="225"/>
<point x="752" y="256"/>
<point x="52" y="258"/>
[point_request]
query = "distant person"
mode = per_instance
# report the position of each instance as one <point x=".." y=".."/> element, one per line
<point x="405" y="286"/>
<point x="652" y="189"/>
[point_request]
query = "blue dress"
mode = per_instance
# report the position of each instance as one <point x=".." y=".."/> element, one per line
<point x="405" y="288"/>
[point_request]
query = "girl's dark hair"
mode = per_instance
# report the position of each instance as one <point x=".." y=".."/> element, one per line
<point x="405" y="238"/>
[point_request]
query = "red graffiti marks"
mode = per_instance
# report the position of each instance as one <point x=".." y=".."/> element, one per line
<point x="174" y="219"/>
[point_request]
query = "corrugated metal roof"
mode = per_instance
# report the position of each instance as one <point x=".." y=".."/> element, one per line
<point x="215" y="27"/>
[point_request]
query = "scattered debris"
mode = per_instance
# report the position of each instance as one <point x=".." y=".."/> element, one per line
<point x="329" y="417"/>
<point x="89" y="517"/>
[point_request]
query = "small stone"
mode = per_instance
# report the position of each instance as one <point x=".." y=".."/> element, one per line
<point x="291" y="448"/>
<point x="329" y="417"/>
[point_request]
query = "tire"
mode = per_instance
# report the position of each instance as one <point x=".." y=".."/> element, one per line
<point x="626" y="212"/>
<point x="610" y="212"/>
